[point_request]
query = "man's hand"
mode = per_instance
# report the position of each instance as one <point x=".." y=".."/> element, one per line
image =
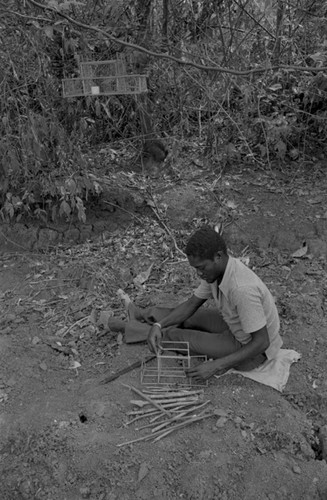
<point x="205" y="370"/>
<point x="154" y="339"/>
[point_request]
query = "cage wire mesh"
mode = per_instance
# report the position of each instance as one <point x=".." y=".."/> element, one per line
<point x="104" y="78"/>
<point x="170" y="365"/>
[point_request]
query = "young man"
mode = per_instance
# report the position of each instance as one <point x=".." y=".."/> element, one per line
<point x="243" y="329"/>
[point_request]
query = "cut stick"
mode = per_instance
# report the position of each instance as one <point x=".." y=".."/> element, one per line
<point x="182" y="424"/>
<point x="155" y="418"/>
<point x="158" y="406"/>
<point x="178" y="417"/>
<point x="145" y="426"/>
<point x="163" y="402"/>
<point x="143" y="438"/>
<point x="176" y="406"/>
<point x="159" y="388"/>
<point x="160" y="434"/>
<point x="141" y="404"/>
<point x="139" y="417"/>
<point x="149" y="410"/>
<point x="180" y="408"/>
<point x="170" y="421"/>
<point x="142" y="412"/>
<point x="175" y="394"/>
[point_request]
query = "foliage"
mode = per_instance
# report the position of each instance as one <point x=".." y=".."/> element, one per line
<point x="274" y="114"/>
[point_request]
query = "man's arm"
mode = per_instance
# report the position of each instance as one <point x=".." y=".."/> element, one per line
<point x="258" y="345"/>
<point x="175" y="317"/>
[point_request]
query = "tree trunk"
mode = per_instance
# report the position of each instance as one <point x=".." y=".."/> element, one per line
<point x="154" y="151"/>
<point x="279" y="32"/>
<point x="165" y="17"/>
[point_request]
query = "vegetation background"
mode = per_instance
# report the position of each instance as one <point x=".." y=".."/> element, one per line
<point x="242" y="81"/>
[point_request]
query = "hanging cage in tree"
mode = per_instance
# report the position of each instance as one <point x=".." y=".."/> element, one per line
<point x="104" y="78"/>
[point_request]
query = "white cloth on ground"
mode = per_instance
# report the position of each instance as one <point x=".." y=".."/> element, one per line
<point x="273" y="372"/>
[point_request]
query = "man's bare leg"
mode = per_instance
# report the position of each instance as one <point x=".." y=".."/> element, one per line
<point x="204" y="320"/>
<point x="138" y="327"/>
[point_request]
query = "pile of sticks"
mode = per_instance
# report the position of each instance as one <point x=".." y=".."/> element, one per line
<point x="166" y="410"/>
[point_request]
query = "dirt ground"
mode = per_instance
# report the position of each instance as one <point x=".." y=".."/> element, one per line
<point x="60" y="427"/>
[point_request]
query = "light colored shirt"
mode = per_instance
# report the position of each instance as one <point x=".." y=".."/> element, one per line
<point x="245" y="304"/>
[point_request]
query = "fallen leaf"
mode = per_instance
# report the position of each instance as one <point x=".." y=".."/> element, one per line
<point x="221" y="421"/>
<point x="301" y="252"/>
<point x="275" y="87"/>
<point x="93" y="316"/>
<point x="315" y="201"/>
<point x="104" y="317"/>
<point x="150" y="203"/>
<point x="220" y="412"/>
<point x="245" y="260"/>
<point x="296" y="469"/>
<point x="123" y="297"/>
<point x="198" y="163"/>
<point x="60" y="332"/>
<point x="143" y="471"/>
<point x="143" y="276"/>
<point x="231" y="204"/>
<point x="219" y="228"/>
<point x="3" y="396"/>
<point x="74" y="365"/>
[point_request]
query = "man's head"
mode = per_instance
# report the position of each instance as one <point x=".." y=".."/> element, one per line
<point x="207" y="253"/>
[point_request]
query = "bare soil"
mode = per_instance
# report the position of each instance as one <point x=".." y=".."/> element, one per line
<point x="60" y="427"/>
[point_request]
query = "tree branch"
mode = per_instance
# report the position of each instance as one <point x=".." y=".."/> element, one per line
<point x="254" y="20"/>
<point x="26" y="16"/>
<point x="158" y="55"/>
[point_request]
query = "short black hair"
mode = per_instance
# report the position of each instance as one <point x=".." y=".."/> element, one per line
<point x="205" y="243"/>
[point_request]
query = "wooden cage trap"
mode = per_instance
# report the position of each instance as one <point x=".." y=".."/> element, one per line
<point x="170" y="364"/>
<point x="104" y="78"/>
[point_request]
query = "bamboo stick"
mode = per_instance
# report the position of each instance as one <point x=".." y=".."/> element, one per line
<point x="176" y="401"/>
<point x="142" y="412"/>
<point x="138" y="417"/>
<point x="145" y="426"/>
<point x="177" y="406"/>
<point x="179" y="394"/>
<point x="155" y="418"/>
<point x="167" y="405"/>
<point x="179" y="416"/>
<point x="157" y="405"/>
<point x="143" y="438"/>
<point x="159" y="435"/>
<point x="179" y="426"/>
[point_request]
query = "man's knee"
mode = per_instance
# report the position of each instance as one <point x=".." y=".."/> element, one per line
<point x="172" y="334"/>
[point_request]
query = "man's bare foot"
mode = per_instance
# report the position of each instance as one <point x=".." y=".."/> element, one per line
<point x="133" y="312"/>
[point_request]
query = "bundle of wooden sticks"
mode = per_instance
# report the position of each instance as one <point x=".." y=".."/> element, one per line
<point x="166" y="410"/>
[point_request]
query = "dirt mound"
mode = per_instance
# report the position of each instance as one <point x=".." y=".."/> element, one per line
<point x="60" y="426"/>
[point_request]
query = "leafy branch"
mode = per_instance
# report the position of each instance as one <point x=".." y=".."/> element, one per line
<point x="216" y="68"/>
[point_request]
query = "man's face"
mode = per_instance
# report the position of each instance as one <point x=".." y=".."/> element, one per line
<point x="207" y="269"/>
